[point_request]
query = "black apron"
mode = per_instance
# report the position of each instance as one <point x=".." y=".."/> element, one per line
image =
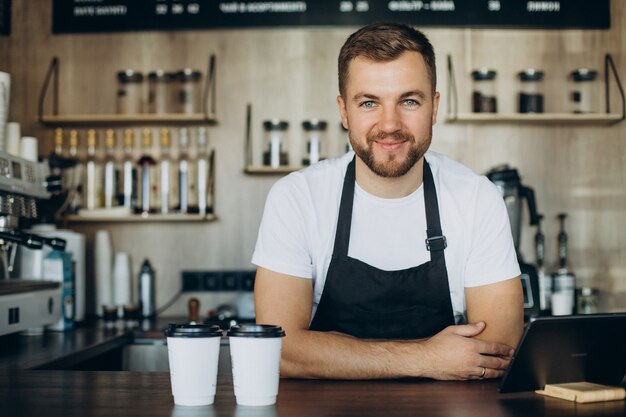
<point x="369" y="303"/>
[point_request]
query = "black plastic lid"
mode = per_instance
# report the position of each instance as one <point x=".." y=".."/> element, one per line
<point x="275" y="124"/>
<point x="130" y="76"/>
<point x="256" y="330"/>
<point x="584" y="74"/>
<point x="503" y="173"/>
<point x="314" y="124"/>
<point x="193" y="330"/>
<point x="530" y="74"/>
<point x="483" y="74"/>
<point x="188" y="74"/>
<point x="161" y="75"/>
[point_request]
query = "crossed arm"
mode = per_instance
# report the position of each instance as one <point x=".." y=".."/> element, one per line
<point x="457" y="352"/>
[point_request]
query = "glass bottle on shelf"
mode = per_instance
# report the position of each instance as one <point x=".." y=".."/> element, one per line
<point x="316" y="145"/>
<point x="275" y="143"/>
<point x="147" y="168"/>
<point x="202" y="170"/>
<point x="93" y="174"/>
<point x="128" y="187"/>
<point x="76" y="177"/>
<point x="58" y="142"/>
<point x="166" y="169"/>
<point x="110" y="170"/>
<point x="183" y="171"/>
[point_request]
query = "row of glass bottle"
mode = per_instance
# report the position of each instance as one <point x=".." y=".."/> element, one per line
<point x="167" y="184"/>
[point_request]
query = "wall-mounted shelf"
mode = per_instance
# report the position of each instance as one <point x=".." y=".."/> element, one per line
<point x="140" y="218"/>
<point x="263" y="170"/>
<point x="541" y="118"/>
<point x="125" y="120"/>
<point x="606" y="118"/>
<point x="54" y="119"/>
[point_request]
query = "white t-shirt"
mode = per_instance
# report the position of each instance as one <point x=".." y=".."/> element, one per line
<point x="297" y="232"/>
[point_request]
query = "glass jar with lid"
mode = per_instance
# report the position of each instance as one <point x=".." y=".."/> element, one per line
<point x="161" y="92"/>
<point x="189" y="92"/>
<point x="584" y="96"/>
<point x="316" y="142"/>
<point x="484" y="93"/>
<point x="130" y="92"/>
<point x="275" y="143"/>
<point x="531" y="93"/>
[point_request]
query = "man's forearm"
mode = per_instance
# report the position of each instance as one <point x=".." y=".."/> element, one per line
<point x="312" y="354"/>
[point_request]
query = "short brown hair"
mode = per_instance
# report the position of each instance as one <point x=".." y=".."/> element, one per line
<point x="382" y="42"/>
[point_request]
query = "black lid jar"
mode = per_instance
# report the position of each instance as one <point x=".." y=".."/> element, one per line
<point x="531" y="94"/>
<point x="484" y="91"/>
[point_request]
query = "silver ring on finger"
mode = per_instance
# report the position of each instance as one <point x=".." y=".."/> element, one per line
<point x="484" y="372"/>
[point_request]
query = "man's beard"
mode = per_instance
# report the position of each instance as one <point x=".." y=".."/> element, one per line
<point x="391" y="168"/>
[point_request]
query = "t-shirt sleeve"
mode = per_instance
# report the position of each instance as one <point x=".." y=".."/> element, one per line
<point x="283" y="242"/>
<point x="492" y="256"/>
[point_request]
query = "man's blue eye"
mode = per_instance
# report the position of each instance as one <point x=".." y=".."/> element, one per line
<point x="410" y="102"/>
<point x="367" y="104"/>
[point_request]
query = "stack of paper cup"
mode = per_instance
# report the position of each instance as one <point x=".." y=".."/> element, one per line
<point x="29" y="148"/>
<point x="12" y="144"/>
<point x="255" y="357"/>
<point x="5" y="96"/>
<point x="104" y="283"/>
<point x="193" y="353"/>
<point x="122" y="280"/>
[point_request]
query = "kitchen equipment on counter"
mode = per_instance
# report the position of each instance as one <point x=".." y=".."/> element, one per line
<point x="5" y="95"/>
<point x="484" y="94"/>
<point x="508" y="182"/>
<point x="31" y="261"/>
<point x="130" y="92"/>
<point x="545" y="280"/>
<point x="585" y="91"/>
<point x="147" y="291"/>
<point x="530" y="95"/>
<point x="564" y="280"/>
<point x="275" y="143"/>
<point x="24" y="303"/>
<point x="316" y="141"/>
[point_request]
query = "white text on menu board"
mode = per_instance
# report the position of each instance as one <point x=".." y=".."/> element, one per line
<point x="416" y="6"/>
<point x="263" y="7"/>
<point x="543" y="6"/>
<point x="111" y="10"/>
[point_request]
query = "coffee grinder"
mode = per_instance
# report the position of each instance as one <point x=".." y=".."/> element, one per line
<point x="508" y="182"/>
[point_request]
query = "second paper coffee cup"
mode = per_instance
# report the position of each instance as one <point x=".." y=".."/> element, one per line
<point x="255" y="356"/>
<point x="193" y="352"/>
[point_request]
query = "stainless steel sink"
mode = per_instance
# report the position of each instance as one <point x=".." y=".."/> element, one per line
<point x="150" y="355"/>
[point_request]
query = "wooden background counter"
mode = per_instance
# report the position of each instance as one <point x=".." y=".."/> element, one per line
<point x="82" y="393"/>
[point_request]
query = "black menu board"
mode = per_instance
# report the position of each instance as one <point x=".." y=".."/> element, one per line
<point x="5" y="17"/>
<point x="75" y="16"/>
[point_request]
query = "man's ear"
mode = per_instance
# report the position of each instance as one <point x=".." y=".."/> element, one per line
<point x="342" y="111"/>
<point x="435" y="106"/>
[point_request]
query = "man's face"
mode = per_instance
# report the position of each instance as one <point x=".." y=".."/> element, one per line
<point x="389" y="110"/>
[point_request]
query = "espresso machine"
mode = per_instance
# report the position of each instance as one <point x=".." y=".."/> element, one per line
<point x="24" y="187"/>
<point x="508" y="182"/>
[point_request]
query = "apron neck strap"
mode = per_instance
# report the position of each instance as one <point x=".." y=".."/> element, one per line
<point x="435" y="242"/>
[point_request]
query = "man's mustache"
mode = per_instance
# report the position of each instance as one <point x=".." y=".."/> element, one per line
<point x="398" y="136"/>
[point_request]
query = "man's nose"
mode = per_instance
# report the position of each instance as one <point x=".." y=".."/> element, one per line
<point x="391" y="120"/>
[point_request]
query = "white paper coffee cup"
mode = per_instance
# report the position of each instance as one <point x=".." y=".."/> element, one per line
<point x="193" y="352"/>
<point x="255" y="357"/>
<point x="562" y="303"/>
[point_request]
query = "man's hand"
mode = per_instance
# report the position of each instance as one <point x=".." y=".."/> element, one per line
<point x="454" y="354"/>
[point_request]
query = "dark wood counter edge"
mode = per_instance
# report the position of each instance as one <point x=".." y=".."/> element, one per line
<point x="71" y="359"/>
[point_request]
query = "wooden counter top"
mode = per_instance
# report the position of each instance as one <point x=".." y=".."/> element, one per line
<point x="83" y="393"/>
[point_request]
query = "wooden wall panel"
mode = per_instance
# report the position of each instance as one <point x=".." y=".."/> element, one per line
<point x="291" y="74"/>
